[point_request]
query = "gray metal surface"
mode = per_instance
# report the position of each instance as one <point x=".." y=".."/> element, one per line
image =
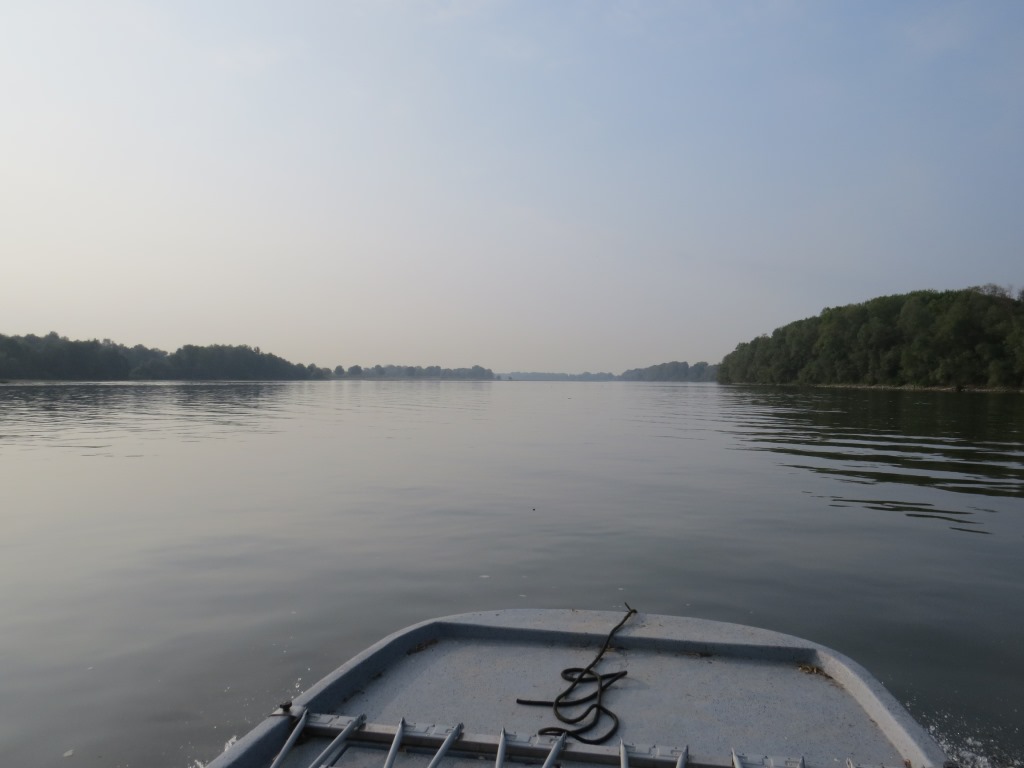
<point x="697" y="693"/>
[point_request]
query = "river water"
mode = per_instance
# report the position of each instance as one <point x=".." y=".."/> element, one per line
<point x="177" y="558"/>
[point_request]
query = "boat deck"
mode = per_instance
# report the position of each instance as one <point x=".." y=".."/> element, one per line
<point x="696" y="693"/>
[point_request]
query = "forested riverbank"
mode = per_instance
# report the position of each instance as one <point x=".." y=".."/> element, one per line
<point x="57" y="358"/>
<point x="972" y="338"/>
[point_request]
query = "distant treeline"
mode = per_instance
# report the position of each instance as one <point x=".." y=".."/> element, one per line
<point x="966" y="338"/>
<point x="413" y="372"/>
<point x="540" y="376"/>
<point x="54" y="357"/>
<point x="673" y="371"/>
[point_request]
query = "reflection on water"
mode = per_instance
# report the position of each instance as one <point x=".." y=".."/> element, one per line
<point x="78" y="416"/>
<point x="920" y="509"/>
<point x="955" y="443"/>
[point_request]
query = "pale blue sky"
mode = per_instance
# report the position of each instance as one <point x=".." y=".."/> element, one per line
<point x="521" y="185"/>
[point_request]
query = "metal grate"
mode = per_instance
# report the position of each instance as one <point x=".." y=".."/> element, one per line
<point x="345" y="731"/>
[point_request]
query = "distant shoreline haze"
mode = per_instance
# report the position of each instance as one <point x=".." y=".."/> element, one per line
<point x="56" y="358"/>
<point x="674" y="371"/>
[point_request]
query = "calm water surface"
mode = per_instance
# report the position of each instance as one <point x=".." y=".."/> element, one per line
<point x="177" y="558"/>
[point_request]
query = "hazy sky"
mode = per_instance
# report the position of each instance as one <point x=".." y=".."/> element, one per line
<point x="522" y="185"/>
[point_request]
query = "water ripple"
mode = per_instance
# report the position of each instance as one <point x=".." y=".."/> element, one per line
<point x="955" y="445"/>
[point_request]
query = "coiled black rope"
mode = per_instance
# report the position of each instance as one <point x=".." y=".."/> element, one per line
<point x="591" y="716"/>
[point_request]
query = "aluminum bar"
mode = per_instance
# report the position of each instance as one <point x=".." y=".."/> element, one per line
<point x="449" y="740"/>
<point x="395" y="744"/>
<point x="329" y="755"/>
<point x="499" y="761"/>
<point x="556" y="748"/>
<point x="292" y="738"/>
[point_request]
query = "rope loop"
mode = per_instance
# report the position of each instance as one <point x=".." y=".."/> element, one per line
<point x="587" y="720"/>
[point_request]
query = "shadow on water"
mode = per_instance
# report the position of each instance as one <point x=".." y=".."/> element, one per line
<point x="952" y="445"/>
